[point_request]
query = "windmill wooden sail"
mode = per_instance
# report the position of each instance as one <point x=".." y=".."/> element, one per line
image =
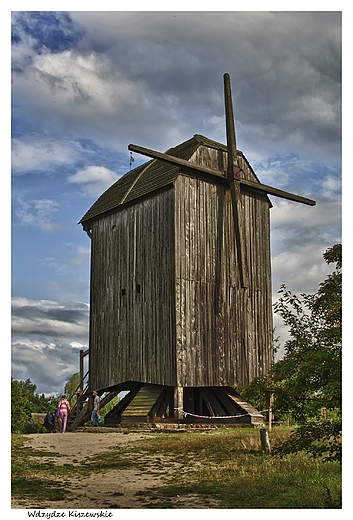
<point x="270" y="190"/>
<point x="234" y="180"/>
<point x="181" y="309"/>
<point x="233" y="176"/>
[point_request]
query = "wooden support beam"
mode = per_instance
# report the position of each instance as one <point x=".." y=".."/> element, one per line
<point x="178" y="403"/>
<point x="81" y="370"/>
<point x="207" y="402"/>
<point x="229" y="405"/>
<point x="119" y="408"/>
<point x="214" y="402"/>
<point x="83" y="354"/>
<point x="160" y="406"/>
<point x="165" y="403"/>
<point x="176" y="160"/>
<point x="108" y="398"/>
<point x="217" y="176"/>
<point x="277" y="193"/>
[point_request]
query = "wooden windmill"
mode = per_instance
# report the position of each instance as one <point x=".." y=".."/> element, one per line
<point x="181" y="308"/>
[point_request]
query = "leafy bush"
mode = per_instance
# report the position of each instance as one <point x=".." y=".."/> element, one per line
<point x="307" y="380"/>
<point x="25" y="401"/>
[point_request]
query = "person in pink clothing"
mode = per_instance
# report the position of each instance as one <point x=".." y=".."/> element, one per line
<point x="64" y="407"/>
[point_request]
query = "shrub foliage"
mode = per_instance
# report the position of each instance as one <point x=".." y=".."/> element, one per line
<point x="24" y="401"/>
<point x="306" y="382"/>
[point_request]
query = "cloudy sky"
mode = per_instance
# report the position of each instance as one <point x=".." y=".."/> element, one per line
<point x="86" y="84"/>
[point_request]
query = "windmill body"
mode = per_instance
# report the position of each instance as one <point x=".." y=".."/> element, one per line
<point x="167" y="306"/>
<point x="180" y="286"/>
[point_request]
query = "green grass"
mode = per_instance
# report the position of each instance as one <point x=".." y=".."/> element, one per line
<point x="230" y="467"/>
<point x="31" y="478"/>
<point x="225" y="467"/>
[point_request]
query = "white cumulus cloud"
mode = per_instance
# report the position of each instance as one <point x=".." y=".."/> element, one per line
<point x="93" y="180"/>
<point x="38" y="213"/>
<point x="38" y="153"/>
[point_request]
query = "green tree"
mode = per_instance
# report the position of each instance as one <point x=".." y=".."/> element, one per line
<point x="20" y="407"/>
<point x="307" y="380"/>
<point x="72" y="385"/>
<point x="259" y="392"/>
<point x="24" y="401"/>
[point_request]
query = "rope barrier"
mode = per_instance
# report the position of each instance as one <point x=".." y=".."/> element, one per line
<point x="217" y="416"/>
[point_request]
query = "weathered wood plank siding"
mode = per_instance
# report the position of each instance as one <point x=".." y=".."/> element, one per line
<point x="166" y="303"/>
<point x="223" y="333"/>
<point x="132" y="329"/>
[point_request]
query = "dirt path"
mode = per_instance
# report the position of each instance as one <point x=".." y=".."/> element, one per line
<point x="109" y="489"/>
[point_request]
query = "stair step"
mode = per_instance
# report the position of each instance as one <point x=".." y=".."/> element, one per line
<point x="143" y="402"/>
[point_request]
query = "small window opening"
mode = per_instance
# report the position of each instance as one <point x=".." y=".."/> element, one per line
<point x="138" y="288"/>
<point x="123" y="292"/>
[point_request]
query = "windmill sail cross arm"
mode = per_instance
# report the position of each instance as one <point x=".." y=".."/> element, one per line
<point x="230" y="127"/>
<point x="219" y="175"/>
<point x="270" y="190"/>
<point x="233" y="175"/>
<point x="176" y="160"/>
<point x="233" y="180"/>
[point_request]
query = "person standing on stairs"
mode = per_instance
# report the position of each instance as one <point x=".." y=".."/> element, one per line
<point x="64" y="407"/>
<point x="96" y="408"/>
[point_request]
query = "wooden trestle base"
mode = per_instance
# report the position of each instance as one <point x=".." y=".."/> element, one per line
<point x="167" y="406"/>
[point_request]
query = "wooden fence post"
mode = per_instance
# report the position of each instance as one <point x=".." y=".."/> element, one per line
<point x="269" y="405"/>
<point x="265" y="441"/>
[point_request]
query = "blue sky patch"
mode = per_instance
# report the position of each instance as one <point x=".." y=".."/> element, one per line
<point x="54" y="30"/>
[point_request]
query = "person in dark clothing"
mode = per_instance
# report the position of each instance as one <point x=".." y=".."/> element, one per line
<point x="49" y="422"/>
<point x="80" y="400"/>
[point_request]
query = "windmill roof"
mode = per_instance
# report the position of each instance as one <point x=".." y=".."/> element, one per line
<point x="147" y="178"/>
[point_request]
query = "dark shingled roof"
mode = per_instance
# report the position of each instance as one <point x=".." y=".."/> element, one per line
<point x="148" y="177"/>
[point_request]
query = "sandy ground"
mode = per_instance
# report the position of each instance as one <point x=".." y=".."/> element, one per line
<point x="111" y="489"/>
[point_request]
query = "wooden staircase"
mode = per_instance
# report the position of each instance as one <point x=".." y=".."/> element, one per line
<point x="142" y="404"/>
<point x="80" y="412"/>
